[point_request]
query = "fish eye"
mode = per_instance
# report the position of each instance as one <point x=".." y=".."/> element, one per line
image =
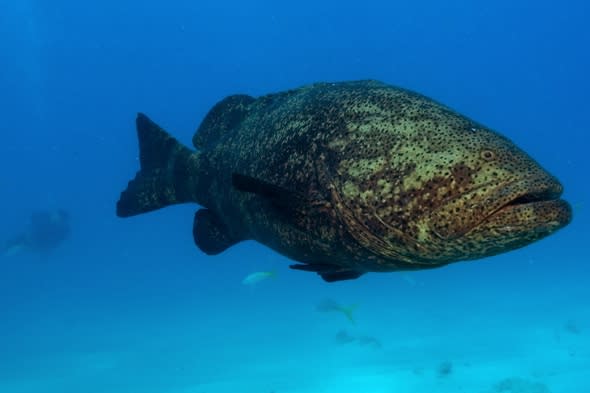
<point x="488" y="155"/>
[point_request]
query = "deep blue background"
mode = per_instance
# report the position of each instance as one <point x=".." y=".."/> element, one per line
<point x="73" y="74"/>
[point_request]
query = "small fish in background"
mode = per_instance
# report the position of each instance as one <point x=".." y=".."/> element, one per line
<point x="572" y="327"/>
<point x="370" y="341"/>
<point x="257" y="277"/>
<point x="409" y="279"/>
<point x="329" y="305"/>
<point x="343" y="337"/>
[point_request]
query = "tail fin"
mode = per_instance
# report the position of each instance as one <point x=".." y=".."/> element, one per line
<point x="167" y="174"/>
<point x="347" y="311"/>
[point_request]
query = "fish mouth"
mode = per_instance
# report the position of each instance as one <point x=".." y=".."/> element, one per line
<point x="533" y="197"/>
<point x="540" y="208"/>
<point x="527" y="205"/>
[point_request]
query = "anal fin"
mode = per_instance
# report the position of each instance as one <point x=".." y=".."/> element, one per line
<point x="210" y="234"/>
<point x="328" y="272"/>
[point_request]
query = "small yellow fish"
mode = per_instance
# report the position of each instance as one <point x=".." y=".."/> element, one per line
<point x="257" y="277"/>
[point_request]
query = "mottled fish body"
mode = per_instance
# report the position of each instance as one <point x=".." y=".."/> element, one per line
<point x="348" y="178"/>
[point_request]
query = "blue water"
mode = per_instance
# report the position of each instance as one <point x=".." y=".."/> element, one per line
<point x="133" y="306"/>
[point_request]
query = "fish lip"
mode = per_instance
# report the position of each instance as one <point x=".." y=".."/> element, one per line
<point x="527" y="193"/>
<point x="478" y="210"/>
<point x="558" y="215"/>
<point x="543" y="196"/>
<point x="531" y="196"/>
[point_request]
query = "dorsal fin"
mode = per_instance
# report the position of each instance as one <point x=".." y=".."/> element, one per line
<point x="226" y="115"/>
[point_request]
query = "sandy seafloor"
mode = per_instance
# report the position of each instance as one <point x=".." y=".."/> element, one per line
<point x="526" y="332"/>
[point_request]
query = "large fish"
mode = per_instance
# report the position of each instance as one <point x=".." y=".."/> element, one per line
<point x="348" y="178"/>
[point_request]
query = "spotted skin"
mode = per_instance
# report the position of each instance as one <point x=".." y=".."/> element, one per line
<point x="363" y="176"/>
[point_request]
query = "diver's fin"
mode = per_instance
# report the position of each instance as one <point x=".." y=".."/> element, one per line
<point x="167" y="172"/>
<point x="328" y="272"/>
<point x="226" y="115"/>
<point x="210" y="234"/>
<point x="15" y="245"/>
<point x="289" y="202"/>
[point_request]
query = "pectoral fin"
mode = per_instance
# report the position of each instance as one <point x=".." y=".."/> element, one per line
<point x="293" y="206"/>
<point x="278" y="196"/>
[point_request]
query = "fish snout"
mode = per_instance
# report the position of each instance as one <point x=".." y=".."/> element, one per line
<point x="531" y="201"/>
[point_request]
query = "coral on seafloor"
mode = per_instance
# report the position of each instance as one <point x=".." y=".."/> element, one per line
<point x="519" y="385"/>
<point x="445" y="369"/>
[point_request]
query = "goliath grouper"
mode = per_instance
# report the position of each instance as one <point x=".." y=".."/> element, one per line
<point x="348" y="178"/>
